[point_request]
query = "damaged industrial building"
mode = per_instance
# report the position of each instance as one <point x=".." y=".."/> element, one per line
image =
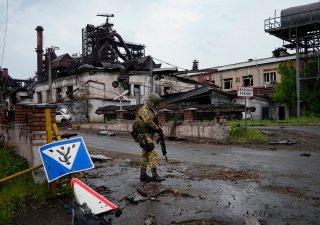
<point x="112" y="76"/>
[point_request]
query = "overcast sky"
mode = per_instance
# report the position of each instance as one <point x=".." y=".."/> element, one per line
<point x="213" y="32"/>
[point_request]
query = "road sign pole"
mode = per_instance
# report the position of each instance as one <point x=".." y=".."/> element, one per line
<point x="48" y="125"/>
<point x="245" y="92"/>
<point x="245" y="114"/>
<point x="51" y="185"/>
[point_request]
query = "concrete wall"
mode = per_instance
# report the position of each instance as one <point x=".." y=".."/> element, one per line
<point x="258" y="103"/>
<point x="255" y="67"/>
<point x="101" y="92"/>
<point x="99" y="84"/>
<point x="198" y="130"/>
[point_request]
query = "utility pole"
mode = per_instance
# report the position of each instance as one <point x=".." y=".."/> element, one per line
<point x="298" y="76"/>
<point x="151" y="75"/>
<point x="50" y="50"/>
<point x="49" y="75"/>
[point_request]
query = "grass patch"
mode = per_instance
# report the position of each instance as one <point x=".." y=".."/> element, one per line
<point x="13" y="193"/>
<point x="302" y="121"/>
<point x="239" y="134"/>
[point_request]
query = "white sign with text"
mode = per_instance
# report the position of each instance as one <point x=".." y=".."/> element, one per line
<point x="245" y="91"/>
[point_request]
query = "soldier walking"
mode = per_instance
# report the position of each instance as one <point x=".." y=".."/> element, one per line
<point x="146" y="117"/>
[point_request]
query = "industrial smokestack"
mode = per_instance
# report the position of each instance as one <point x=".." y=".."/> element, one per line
<point x="5" y="73"/>
<point x="195" y="65"/>
<point x="39" y="51"/>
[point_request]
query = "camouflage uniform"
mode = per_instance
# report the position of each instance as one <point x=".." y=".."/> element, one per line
<point x="149" y="156"/>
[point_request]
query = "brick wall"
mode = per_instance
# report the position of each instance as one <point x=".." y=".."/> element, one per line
<point x="28" y="132"/>
<point x="188" y="114"/>
<point x="3" y="119"/>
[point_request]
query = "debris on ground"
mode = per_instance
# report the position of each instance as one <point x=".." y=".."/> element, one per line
<point x="251" y="220"/>
<point x="151" y="191"/>
<point x="238" y="175"/>
<point x="100" y="158"/>
<point x="93" y="174"/>
<point x="106" y="133"/>
<point x="135" y="198"/>
<point x="68" y="135"/>
<point x="285" y="142"/>
<point x="289" y="190"/>
<point x="305" y="154"/>
<point x="198" y="222"/>
<point x="215" y="172"/>
<point x="150" y="220"/>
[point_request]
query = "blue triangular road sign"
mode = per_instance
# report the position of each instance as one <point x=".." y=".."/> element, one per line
<point x="65" y="157"/>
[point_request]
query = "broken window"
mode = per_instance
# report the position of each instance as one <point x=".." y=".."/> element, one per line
<point x="136" y="90"/>
<point x="58" y="94"/>
<point x="247" y="81"/>
<point x="69" y="92"/>
<point x="227" y="83"/>
<point x="39" y="96"/>
<point x="47" y="95"/>
<point x="157" y="89"/>
<point x="269" y="77"/>
<point x="166" y="90"/>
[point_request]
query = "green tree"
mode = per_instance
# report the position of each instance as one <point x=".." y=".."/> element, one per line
<point x="84" y="99"/>
<point x="285" y="91"/>
<point x="310" y="90"/>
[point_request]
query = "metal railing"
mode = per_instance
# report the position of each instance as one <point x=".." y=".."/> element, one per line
<point x="272" y="23"/>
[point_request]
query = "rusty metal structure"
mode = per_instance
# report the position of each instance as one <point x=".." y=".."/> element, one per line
<point x="102" y="47"/>
<point x="299" y="28"/>
<point x="103" y="44"/>
<point x="43" y="58"/>
<point x="9" y="88"/>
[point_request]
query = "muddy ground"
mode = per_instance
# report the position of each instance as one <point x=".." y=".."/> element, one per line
<point x="201" y="192"/>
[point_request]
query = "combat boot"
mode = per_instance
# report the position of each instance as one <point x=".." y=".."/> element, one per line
<point x="155" y="176"/>
<point x="144" y="176"/>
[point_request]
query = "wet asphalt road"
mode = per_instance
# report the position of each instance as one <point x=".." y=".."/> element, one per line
<point x="215" y="201"/>
<point x="315" y="130"/>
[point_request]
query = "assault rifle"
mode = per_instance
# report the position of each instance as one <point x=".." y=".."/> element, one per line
<point x="162" y="143"/>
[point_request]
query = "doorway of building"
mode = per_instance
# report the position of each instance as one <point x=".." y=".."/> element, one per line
<point x="265" y="113"/>
<point x="282" y="115"/>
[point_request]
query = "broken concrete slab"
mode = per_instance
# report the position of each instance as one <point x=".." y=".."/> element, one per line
<point x="286" y="142"/>
<point x="100" y="158"/>
<point x="251" y="220"/>
<point x="135" y="198"/>
<point x="106" y="133"/>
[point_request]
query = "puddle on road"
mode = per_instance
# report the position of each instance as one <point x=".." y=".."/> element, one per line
<point x="199" y="222"/>
<point x="214" y="172"/>
<point x="192" y="194"/>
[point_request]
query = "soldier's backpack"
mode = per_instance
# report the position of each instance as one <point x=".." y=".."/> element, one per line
<point x="136" y="130"/>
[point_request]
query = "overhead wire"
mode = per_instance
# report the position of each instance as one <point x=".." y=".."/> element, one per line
<point x="5" y="34"/>
<point x="174" y="79"/>
<point x="169" y="64"/>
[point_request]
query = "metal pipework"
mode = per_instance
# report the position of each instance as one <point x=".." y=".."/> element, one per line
<point x="21" y="173"/>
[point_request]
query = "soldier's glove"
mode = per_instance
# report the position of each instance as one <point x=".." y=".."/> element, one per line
<point x="158" y="140"/>
<point x="157" y="130"/>
<point x="149" y="147"/>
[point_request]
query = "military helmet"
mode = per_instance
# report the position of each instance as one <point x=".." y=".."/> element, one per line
<point x="154" y="98"/>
